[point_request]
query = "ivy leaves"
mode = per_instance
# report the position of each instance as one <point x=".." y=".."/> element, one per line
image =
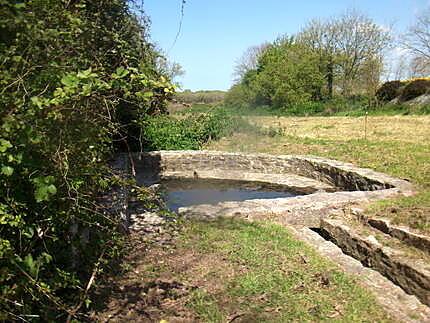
<point x="70" y="81"/>
<point x="44" y="188"/>
<point x="72" y="78"/>
<point x="4" y="145"/>
<point x="7" y="170"/>
<point x="120" y="73"/>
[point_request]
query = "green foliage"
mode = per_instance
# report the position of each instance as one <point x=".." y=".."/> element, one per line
<point x="74" y="77"/>
<point x="327" y="58"/>
<point x="190" y="133"/>
<point x="195" y="108"/>
<point x="238" y="96"/>
<point x="335" y="107"/>
<point x="44" y="188"/>
<point x="166" y="133"/>
<point x="287" y="74"/>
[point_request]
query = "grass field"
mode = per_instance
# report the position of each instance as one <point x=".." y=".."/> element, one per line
<point x="396" y="145"/>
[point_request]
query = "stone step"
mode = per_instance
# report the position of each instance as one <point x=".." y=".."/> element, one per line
<point x="401" y="233"/>
<point x="406" y="266"/>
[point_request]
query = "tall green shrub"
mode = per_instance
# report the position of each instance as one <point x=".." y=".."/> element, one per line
<point x="287" y="75"/>
<point x="166" y="133"/>
<point x="75" y="76"/>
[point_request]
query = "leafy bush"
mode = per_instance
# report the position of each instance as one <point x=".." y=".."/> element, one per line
<point x="414" y="89"/>
<point x="336" y="107"/>
<point x="74" y="76"/>
<point x="287" y="75"/>
<point x="389" y="91"/>
<point x="238" y="96"/>
<point x="194" y="109"/>
<point x="167" y="133"/>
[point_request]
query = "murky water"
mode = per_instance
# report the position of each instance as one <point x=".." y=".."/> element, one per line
<point x="181" y="193"/>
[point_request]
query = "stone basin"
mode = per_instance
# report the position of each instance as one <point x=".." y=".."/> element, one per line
<point x="329" y="184"/>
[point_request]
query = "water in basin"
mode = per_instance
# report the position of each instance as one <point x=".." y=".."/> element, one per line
<point x="187" y="192"/>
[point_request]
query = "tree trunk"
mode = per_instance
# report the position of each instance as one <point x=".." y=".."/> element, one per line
<point x="330" y="77"/>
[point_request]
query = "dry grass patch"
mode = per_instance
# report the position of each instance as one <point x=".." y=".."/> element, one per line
<point x="413" y="129"/>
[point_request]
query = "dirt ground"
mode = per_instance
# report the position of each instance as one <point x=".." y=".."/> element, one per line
<point x="138" y="296"/>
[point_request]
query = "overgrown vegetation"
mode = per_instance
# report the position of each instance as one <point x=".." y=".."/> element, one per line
<point x="287" y="75"/>
<point x="75" y="77"/>
<point x="167" y="133"/>
<point x="339" y="57"/>
<point x="354" y="107"/>
<point x="330" y="66"/>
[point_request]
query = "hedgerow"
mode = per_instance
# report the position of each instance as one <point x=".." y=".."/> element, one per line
<point x="192" y="132"/>
<point x="75" y="78"/>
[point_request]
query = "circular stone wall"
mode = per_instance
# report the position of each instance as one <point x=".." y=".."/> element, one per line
<point x="331" y="184"/>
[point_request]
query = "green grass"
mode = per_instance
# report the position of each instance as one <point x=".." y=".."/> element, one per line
<point x="272" y="282"/>
<point x="205" y="306"/>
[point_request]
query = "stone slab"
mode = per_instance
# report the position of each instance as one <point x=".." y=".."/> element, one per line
<point x="403" y="234"/>
<point x="306" y="210"/>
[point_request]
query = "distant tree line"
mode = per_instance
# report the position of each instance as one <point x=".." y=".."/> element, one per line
<point x="338" y="57"/>
<point x="200" y="97"/>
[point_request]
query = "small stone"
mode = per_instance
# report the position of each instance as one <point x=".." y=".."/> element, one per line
<point x="373" y="240"/>
<point x="357" y="211"/>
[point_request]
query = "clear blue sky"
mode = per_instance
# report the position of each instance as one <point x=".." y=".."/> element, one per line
<point x="216" y="32"/>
